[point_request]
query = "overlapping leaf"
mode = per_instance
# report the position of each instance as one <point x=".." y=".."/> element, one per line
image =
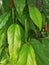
<point x="2" y="47"/>
<point x="3" y="19"/>
<point x="2" y="39"/>
<point x="19" y="4"/>
<point x="45" y="44"/>
<point x="26" y="56"/>
<point x="39" y="52"/>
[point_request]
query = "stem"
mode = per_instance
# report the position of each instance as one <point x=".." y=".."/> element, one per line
<point x="26" y="24"/>
<point x="13" y="14"/>
<point x="2" y="10"/>
<point x="26" y="31"/>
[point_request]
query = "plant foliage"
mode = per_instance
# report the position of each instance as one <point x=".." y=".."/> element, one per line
<point x="22" y="39"/>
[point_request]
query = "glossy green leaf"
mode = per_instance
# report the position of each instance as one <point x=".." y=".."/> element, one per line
<point x="36" y="16"/>
<point x="19" y="4"/>
<point x="14" y="41"/>
<point x="3" y="19"/>
<point x="39" y="52"/>
<point x="26" y="56"/>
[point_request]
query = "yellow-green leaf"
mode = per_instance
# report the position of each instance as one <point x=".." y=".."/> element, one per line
<point x="36" y="16"/>
<point x="14" y="41"/>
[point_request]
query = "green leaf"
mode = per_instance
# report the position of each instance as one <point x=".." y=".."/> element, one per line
<point x="45" y="44"/>
<point x="3" y="62"/>
<point x="38" y="47"/>
<point x="36" y="16"/>
<point x="2" y="46"/>
<point x="19" y="4"/>
<point x="26" y="56"/>
<point x="14" y="41"/>
<point x="31" y="24"/>
<point x="4" y="19"/>
<point x="30" y="2"/>
<point x="6" y="5"/>
<point x="39" y="61"/>
<point x="22" y="19"/>
<point x="2" y="43"/>
<point x="2" y="39"/>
